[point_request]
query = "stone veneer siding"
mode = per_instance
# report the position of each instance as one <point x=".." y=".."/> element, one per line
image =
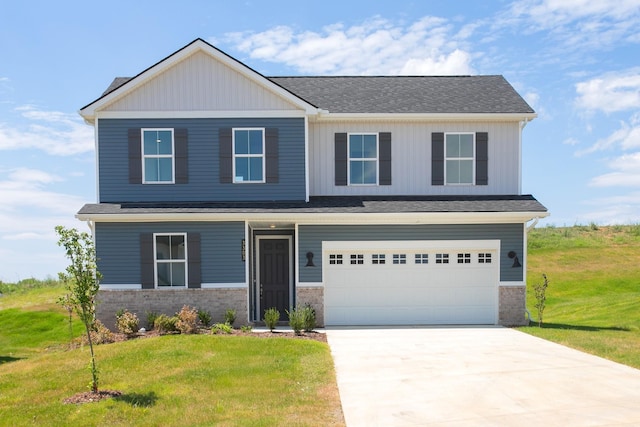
<point x="314" y="296"/>
<point x="512" y="306"/>
<point x="170" y="301"/>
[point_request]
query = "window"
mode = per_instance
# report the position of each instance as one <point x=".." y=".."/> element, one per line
<point x="399" y="259"/>
<point x="335" y="259"/>
<point x="248" y="155"/>
<point x="157" y="156"/>
<point x="422" y="259"/>
<point x="464" y="258"/>
<point x="377" y="259"/>
<point x="484" y="258"/>
<point x="459" y="158"/>
<point x="363" y="159"/>
<point x="357" y="259"/>
<point x="170" y="260"/>
<point x="442" y="258"/>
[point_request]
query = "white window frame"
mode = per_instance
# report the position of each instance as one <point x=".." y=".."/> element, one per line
<point x="172" y="156"/>
<point x="263" y="156"/>
<point x="350" y="159"/>
<point x="472" y="158"/>
<point x="156" y="261"/>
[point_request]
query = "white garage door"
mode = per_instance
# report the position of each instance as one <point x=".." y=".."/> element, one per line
<point x="411" y="282"/>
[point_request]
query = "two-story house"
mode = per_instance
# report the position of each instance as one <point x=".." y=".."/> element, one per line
<point x="377" y="200"/>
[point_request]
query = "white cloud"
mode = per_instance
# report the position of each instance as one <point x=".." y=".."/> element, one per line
<point x="626" y="172"/>
<point x="627" y="136"/>
<point x="53" y="132"/>
<point x="611" y="92"/>
<point x="624" y="209"/>
<point x="377" y="46"/>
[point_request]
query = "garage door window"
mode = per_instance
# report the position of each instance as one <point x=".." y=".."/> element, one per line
<point x="484" y="258"/>
<point x="357" y="259"/>
<point x="442" y="258"/>
<point x="377" y="259"/>
<point x="464" y="258"/>
<point x="335" y="259"/>
<point x="399" y="259"/>
<point x="422" y="259"/>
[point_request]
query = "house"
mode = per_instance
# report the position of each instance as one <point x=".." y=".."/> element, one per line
<point x="376" y="200"/>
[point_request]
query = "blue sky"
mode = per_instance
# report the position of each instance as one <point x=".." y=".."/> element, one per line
<point x="577" y="62"/>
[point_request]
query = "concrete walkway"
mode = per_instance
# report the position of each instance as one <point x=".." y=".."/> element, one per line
<point x="476" y="376"/>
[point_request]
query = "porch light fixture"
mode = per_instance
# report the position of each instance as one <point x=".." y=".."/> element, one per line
<point x="514" y="257"/>
<point x="310" y="260"/>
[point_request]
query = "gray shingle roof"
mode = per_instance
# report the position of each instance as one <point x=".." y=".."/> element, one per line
<point x="342" y="204"/>
<point x="408" y="94"/>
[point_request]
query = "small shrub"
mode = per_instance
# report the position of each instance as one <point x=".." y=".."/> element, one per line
<point x="246" y="328"/>
<point x="187" y="320"/>
<point x="127" y="323"/>
<point x="204" y="317"/>
<point x="165" y="324"/>
<point x="230" y="316"/>
<point x="541" y="297"/>
<point x="100" y="334"/>
<point x="309" y="315"/>
<point x="219" y="328"/>
<point x="271" y="318"/>
<point x="151" y="319"/>
<point x="296" y="320"/>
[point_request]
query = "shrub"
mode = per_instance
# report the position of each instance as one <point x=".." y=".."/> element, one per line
<point x="541" y="297"/>
<point x="309" y="315"/>
<point x="100" y="334"/>
<point x="221" y="328"/>
<point x="204" y="317"/>
<point x="151" y="319"/>
<point x="271" y="318"/>
<point x="165" y="324"/>
<point x="246" y="328"/>
<point x="230" y="316"/>
<point x="296" y="320"/>
<point x="187" y="320"/>
<point x="127" y="323"/>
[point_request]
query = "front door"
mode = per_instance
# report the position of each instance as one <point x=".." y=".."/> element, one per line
<point x="274" y="275"/>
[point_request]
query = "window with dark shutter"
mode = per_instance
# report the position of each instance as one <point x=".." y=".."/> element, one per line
<point x="147" y="260"/>
<point x="193" y="260"/>
<point x="437" y="158"/>
<point x="135" y="156"/>
<point x="340" y="158"/>
<point x="482" y="158"/>
<point x="226" y="155"/>
<point x="384" y="158"/>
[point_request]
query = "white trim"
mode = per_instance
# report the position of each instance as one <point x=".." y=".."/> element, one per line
<point x="257" y="273"/>
<point x="512" y="285"/>
<point x="155" y="261"/>
<point x="306" y="159"/>
<point x="119" y="287"/>
<point x="248" y="252"/>
<point x="499" y="117"/>
<point x="363" y="159"/>
<point x="97" y="157"/>
<point x="201" y="114"/>
<point x="296" y="255"/>
<point x="262" y="155"/>
<point x="310" y="285"/>
<point x="144" y="156"/>
<point x="239" y="285"/>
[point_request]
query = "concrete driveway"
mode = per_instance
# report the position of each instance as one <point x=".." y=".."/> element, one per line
<point x="476" y="376"/>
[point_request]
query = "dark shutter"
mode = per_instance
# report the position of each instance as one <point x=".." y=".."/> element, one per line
<point x="226" y="155"/>
<point x="437" y="158"/>
<point x="135" y="156"/>
<point x="271" y="148"/>
<point x="482" y="158"/>
<point x="147" y="275"/>
<point x="193" y="254"/>
<point x="341" y="158"/>
<point x="181" y="155"/>
<point x="384" y="158"/>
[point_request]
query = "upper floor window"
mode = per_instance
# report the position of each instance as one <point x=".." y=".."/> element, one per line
<point x="248" y="155"/>
<point x="157" y="156"/>
<point x="459" y="158"/>
<point x="170" y="260"/>
<point x="363" y="159"/>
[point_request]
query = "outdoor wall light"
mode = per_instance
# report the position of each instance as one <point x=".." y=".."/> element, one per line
<point x="310" y="260"/>
<point x="514" y="257"/>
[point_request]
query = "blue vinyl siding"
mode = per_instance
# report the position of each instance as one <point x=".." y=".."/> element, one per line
<point x="118" y="249"/>
<point x="310" y="239"/>
<point x="203" y="162"/>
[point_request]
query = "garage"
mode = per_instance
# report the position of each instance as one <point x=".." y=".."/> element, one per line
<point x="411" y="282"/>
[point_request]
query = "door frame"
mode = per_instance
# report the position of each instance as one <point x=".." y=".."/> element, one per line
<point x="256" y="288"/>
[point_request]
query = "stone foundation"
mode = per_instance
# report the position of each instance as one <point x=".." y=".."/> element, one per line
<point x="512" y="306"/>
<point x="314" y="296"/>
<point x="170" y="301"/>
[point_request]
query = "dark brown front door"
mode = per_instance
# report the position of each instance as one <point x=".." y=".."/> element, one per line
<point x="274" y="275"/>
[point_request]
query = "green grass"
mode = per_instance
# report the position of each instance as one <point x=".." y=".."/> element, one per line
<point x="594" y="291"/>
<point x="171" y="380"/>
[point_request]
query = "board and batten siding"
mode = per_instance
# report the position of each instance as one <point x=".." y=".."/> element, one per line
<point x="118" y="250"/>
<point x="203" y="165"/>
<point x="310" y="238"/>
<point x="200" y="83"/>
<point x="411" y="158"/>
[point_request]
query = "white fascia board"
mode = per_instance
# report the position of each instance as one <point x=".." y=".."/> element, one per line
<point x="232" y="114"/>
<point x="327" y="218"/>
<point x="89" y="112"/>
<point x="493" y="117"/>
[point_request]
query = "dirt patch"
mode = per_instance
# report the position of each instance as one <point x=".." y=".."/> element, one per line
<point x="90" y="396"/>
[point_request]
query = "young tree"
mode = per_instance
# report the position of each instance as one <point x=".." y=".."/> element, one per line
<point x="541" y="297"/>
<point x="82" y="281"/>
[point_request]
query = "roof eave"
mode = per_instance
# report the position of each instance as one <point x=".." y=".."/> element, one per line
<point x="327" y="115"/>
